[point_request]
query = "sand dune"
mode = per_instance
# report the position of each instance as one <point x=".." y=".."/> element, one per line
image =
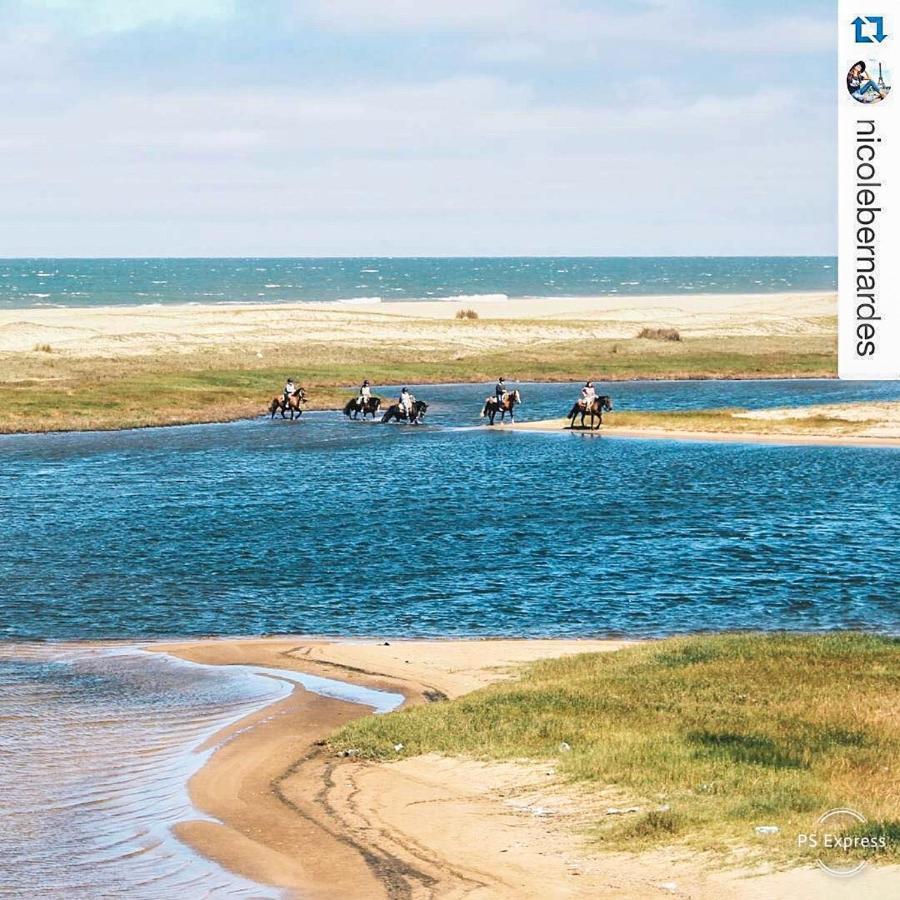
<point x="141" y="330"/>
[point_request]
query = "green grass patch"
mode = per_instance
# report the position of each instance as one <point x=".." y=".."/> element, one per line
<point x="710" y="736"/>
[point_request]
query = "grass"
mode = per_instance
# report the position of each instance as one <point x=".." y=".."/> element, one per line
<point x="46" y="391"/>
<point x="710" y="735"/>
<point x="466" y="314"/>
<point x="660" y="334"/>
<point x="730" y="421"/>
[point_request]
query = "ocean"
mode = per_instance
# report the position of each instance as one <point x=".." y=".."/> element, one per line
<point x="26" y="283"/>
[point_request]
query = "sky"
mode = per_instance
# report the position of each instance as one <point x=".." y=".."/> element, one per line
<point x="416" y="127"/>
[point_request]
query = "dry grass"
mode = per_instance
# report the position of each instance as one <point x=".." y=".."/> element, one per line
<point x="709" y="736"/>
<point x="660" y="334"/>
<point x="466" y="314"/>
<point x="41" y="391"/>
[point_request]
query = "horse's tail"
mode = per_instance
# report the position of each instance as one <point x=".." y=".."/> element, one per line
<point x="387" y="414"/>
<point x="483" y="410"/>
<point x="349" y="408"/>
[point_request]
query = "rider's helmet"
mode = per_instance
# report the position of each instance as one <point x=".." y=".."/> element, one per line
<point x="501" y="378"/>
<point x="589" y="384"/>
<point x="365" y="381"/>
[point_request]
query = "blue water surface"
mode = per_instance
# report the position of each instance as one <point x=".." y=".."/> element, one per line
<point x="134" y="282"/>
<point x="334" y="527"/>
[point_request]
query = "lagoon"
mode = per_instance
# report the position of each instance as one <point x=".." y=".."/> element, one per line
<point x="333" y="527"/>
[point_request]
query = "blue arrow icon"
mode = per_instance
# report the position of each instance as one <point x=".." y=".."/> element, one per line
<point x="859" y="23"/>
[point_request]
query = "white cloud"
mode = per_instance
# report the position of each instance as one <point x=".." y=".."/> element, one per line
<point x="127" y="15"/>
<point x="453" y="166"/>
<point x="513" y="29"/>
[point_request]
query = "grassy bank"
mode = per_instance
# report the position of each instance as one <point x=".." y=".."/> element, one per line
<point x="839" y="420"/>
<point x="708" y="736"/>
<point x="45" y="390"/>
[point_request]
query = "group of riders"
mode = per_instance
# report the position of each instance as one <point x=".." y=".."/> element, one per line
<point x="503" y="399"/>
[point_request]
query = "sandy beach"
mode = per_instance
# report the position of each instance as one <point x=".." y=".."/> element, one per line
<point x="117" y="331"/>
<point x="295" y="816"/>
<point x="837" y="424"/>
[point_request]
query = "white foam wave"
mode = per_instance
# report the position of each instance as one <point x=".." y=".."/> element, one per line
<point x="359" y="301"/>
<point x="474" y="298"/>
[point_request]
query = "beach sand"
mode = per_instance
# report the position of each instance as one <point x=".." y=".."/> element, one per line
<point x="130" y="367"/>
<point x="148" y="330"/>
<point x="295" y="816"/>
<point x="833" y="424"/>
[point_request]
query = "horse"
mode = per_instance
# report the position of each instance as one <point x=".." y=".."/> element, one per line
<point x="293" y="404"/>
<point x="396" y="413"/>
<point x="508" y="404"/>
<point x="367" y="407"/>
<point x="597" y="407"/>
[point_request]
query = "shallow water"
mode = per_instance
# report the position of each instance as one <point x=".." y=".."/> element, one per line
<point x="333" y="527"/>
<point x="97" y="747"/>
<point x="136" y="282"/>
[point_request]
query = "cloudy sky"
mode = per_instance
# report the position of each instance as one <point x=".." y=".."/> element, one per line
<point x="416" y="127"/>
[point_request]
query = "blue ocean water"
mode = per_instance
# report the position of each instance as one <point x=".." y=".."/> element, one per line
<point x="131" y="282"/>
<point x="334" y="527"/>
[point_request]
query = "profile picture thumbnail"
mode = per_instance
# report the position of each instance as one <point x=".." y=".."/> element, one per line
<point x="869" y="81"/>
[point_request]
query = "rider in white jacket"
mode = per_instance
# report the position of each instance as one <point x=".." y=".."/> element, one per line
<point x="588" y="394"/>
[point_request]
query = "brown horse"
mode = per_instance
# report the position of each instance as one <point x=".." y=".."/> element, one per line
<point x="596" y="408"/>
<point x="508" y="404"/>
<point x="293" y="404"/>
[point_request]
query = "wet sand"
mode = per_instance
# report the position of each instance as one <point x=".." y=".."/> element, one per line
<point x="295" y="816"/>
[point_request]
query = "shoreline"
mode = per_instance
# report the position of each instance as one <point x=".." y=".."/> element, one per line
<point x="366" y="304"/>
<point x="268" y="781"/>
<point x="122" y="367"/>
<point x="425" y="826"/>
<point x="715" y="437"/>
<point x="239" y="417"/>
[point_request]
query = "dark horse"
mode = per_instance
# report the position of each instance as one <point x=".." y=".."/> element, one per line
<point x="597" y="407"/>
<point x="367" y="407"/>
<point x="293" y="404"/>
<point x="396" y="413"/>
<point x="508" y="404"/>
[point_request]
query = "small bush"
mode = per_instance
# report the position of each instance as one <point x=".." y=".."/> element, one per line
<point x="660" y="334"/>
<point x="466" y="314"/>
<point x="43" y="348"/>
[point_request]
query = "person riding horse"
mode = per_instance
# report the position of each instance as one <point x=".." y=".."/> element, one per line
<point x="408" y="404"/>
<point x="365" y="395"/>
<point x="288" y="390"/>
<point x="500" y="391"/>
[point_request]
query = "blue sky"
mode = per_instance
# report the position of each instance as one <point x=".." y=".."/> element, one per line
<point x="416" y="127"/>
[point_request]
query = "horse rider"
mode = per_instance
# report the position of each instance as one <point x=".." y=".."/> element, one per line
<point x="407" y="404"/>
<point x="500" y="391"/>
<point x="289" y="389"/>
<point x="588" y="395"/>
<point x="365" y="395"/>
